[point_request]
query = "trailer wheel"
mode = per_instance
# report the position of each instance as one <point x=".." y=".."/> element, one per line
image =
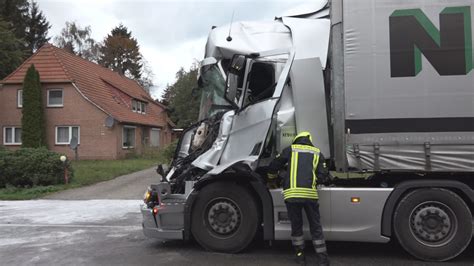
<point x="433" y="224"/>
<point x="224" y="217"/>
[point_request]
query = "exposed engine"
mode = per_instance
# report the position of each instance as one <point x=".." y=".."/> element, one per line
<point x="196" y="140"/>
<point x="200" y="136"/>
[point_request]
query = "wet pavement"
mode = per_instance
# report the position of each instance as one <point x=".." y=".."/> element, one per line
<point x="108" y="232"/>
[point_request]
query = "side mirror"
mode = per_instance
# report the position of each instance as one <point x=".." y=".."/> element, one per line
<point x="237" y="66"/>
<point x="235" y="78"/>
<point x="231" y="88"/>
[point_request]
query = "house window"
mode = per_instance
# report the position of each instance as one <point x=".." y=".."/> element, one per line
<point x="19" y="98"/>
<point x="64" y="134"/>
<point x="128" y="137"/>
<point x="55" y="98"/>
<point x="134" y="105"/>
<point x="138" y="106"/>
<point x="12" y="136"/>
<point x="155" y="137"/>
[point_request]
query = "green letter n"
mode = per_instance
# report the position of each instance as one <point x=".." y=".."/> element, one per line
<point x="449" y="50"/>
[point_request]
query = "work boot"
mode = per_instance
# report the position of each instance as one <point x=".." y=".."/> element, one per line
<point x="300" y="258"/>
<point x="323" y="259"/>
<point x="321" y="252"/>
<point x="298" y="244"/>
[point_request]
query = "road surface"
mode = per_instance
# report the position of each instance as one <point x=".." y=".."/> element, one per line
<point x="71" y="229"/>
<point x="131" y="186"/>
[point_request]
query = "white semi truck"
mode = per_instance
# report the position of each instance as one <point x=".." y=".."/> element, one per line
<point x="385" y="87"/>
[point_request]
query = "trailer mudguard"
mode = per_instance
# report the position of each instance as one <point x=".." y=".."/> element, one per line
<point x="240" y="173"/>
<point x="404" y="187"/>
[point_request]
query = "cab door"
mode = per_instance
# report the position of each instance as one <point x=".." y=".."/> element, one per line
<point x="255" y="107"/>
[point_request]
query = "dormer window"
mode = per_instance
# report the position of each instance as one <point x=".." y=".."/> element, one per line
<point x="138" y="106"/>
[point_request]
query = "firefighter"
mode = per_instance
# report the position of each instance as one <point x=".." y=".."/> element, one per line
<point x="306" y="169"/>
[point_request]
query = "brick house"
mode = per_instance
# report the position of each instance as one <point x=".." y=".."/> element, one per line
<point x="109" y="114"/>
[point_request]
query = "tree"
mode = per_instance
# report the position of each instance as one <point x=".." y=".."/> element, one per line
<point x="37" y="29"/>
<point x="146" y="79"/>
<point x="121" y="53"/>
<point x="15" y="13"/>
<point x="184" y="107"/>
<point x="32" y="122"/>
<point x="11" y="50"/>
<point x="167" y="95"/>
<point x="78" y="41"/>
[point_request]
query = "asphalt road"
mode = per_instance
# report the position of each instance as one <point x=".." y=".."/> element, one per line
<point x="108" y="232"/>
<point x="131" y="186"/>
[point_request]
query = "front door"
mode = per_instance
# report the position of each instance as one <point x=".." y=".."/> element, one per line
<point x="263" y="84"/>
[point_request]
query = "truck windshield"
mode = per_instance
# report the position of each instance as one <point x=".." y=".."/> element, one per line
<point x="212" y="86"/>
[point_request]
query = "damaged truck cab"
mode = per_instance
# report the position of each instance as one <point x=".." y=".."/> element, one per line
<point x="262" y="85"/>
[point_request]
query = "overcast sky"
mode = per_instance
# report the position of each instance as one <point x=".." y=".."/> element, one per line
<point x="171" y="34"/>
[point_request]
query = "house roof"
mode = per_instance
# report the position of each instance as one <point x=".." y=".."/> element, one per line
<point x="103" y="87"/>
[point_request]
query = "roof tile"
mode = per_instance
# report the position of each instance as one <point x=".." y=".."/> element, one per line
<point x="96" y="83"/>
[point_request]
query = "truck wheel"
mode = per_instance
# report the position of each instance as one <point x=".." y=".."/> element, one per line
<point x="433" y="224"/>
<point x="224" y="217"/>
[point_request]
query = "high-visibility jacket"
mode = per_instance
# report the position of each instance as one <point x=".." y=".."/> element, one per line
<point x="302" y="173"/>
<point x="305" y="166"/>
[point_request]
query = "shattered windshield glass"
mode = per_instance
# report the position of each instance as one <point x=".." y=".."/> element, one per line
<point x="212" y="85"/>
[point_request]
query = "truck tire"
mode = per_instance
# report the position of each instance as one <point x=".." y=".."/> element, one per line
<point x="224" y="217"/>
<point x="433" y="224"/>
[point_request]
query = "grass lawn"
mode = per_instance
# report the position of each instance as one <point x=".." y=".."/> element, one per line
<point x="85" y="173"/>
<point x="90" y="172"/>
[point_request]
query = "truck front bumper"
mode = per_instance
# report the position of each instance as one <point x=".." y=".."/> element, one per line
<point x="165" y="224"/>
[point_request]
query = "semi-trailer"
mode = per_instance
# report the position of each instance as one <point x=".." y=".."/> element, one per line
<point x="385" y="87"/>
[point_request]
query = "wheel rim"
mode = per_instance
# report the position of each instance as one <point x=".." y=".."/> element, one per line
<point x="433" y="224"/>
<point x="223" y="217"/>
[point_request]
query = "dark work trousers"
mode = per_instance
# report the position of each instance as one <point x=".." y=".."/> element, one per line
<point x="311" y="207"/>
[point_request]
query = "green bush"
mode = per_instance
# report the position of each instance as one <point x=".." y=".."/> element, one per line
<point x="160" y="155"/>
<point x="29" y="167"/>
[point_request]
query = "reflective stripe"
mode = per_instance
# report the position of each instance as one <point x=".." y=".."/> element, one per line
<point x="299" y="192"/>
<point x="300" y="196"/>
<point x="297" y="237"/>
<point x="315" y="165"/>
<point x="295" y="181"/>
<point x="319" y="242"/>
<point x="297" y="240"/>
<point x="305" y="189"/>
<point x="295" y="195"/>
<point x="321" y="250"/>
<point x="304" y="148"/>
<point x="298" y="243"/>
<point x="305" y="193"/>
<point x="303" y="151"/>
<point x="302" y="192"/>
<point x="301" y="189"/>
<point x="292" y="171"/>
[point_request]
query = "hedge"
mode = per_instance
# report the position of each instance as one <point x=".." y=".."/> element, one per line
<point x="29" y="167"/>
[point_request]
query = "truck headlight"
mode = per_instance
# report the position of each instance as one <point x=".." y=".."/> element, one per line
<point x="147" y="196"/>
<point x="150" y="197"/>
